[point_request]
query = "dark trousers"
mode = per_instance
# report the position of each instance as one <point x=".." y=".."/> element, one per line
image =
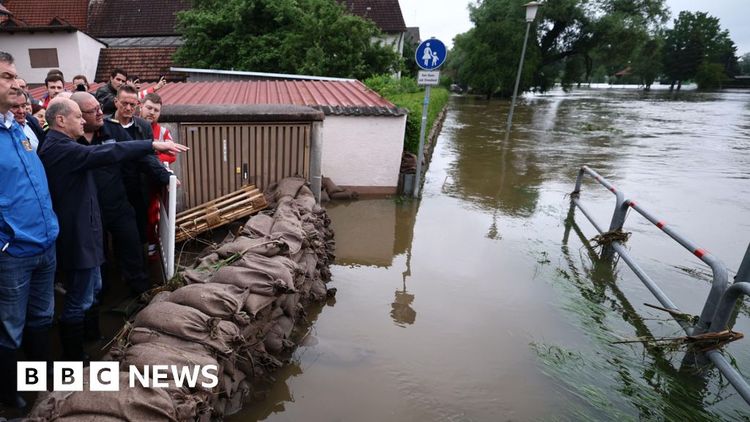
<point x="128" y="250"/>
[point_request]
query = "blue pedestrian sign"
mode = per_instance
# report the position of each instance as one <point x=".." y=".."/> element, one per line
<point x="430" y="54"/>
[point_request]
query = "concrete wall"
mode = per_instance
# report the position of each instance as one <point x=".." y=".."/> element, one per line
<point x="363" y="151"/>
<point x="76" y="53"/>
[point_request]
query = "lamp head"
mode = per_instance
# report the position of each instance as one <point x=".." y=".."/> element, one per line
<point x="531" y="9"/>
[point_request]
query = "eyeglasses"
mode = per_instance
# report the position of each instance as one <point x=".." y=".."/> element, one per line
<point x="96" y="110"/>
<point x="128" y="104"/>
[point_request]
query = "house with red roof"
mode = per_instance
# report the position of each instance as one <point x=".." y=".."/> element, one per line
<point x="49" y="35"/>
<point x="140" y="35"/>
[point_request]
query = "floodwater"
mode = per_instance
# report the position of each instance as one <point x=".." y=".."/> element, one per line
<point x="478" y="303"/>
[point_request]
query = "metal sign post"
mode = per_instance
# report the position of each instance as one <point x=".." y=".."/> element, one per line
<point x="430" y="55"/>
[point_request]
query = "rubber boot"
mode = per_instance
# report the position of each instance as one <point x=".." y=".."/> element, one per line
<point x="91" y="330"/>
<point x="9" y="396"/>
<point x="36" y="347"/>
<point x="71" y="337"/>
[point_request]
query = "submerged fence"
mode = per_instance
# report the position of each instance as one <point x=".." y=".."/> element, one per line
<point x="722" y="297"/>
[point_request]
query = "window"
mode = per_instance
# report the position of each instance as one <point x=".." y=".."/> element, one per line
<point x="43" y="57"/>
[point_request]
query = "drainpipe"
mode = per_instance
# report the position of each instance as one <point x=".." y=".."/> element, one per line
<point x="316" y="159"/>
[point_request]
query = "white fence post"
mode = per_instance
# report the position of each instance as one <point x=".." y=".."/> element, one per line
<point x="167" y="212"/>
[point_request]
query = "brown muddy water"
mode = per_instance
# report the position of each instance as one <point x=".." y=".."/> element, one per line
<point x="469" y="305"/>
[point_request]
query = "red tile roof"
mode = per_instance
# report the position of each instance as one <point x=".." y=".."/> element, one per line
<point x="41" y="13"/>
<point x="331" y="97"/>
<point x="134" y="18"/>
<point x="385" y="13"/>
<point x="148" y="63"/>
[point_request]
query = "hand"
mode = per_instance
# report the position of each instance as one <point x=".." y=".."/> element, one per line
<point x="176" y="185"/>
<point x="161" y="83"/>
<point x="169" y="147"/>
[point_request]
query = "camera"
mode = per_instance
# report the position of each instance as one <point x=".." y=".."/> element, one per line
<point x="81" y="87"/>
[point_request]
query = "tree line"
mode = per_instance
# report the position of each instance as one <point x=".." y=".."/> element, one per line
<point x="580" y="41"/>
<point x="572" y="42"/>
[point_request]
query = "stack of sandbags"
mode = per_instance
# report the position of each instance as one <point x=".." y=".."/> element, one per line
<point x="331" y="191"/>
<point x="237" y="312"/>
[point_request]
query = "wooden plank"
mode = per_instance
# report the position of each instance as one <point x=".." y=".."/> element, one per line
<point x="221" y="211"/>
<point x="247" y="191"/>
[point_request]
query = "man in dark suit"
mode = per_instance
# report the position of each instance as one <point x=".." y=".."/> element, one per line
<point x="74" y="198"/>
<point x="118" y="216"/>
<point x="137" y="175"/>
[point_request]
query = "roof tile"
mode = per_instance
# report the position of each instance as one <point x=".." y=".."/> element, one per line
<point x="42" y="13"/>
<point x="148" y="63"/>
<point x="134" y="18"/>
<point x="385" y="13"/>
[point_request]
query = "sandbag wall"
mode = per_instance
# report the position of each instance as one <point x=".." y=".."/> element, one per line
<point x="237" y="311"/>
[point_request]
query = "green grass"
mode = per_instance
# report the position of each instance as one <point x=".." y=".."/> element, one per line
<point x="406" y="94"/>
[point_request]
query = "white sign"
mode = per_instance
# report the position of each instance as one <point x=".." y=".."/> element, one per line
<point x="428" y="77"/>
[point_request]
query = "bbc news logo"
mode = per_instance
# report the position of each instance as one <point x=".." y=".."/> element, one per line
<point x="105" y="376"/>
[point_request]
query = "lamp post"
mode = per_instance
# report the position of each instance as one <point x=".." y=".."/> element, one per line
<point x="531" y="9"/>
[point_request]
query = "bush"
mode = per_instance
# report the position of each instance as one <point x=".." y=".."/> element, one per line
<point x="710" y="76"/>
<point x="405" y="93"/>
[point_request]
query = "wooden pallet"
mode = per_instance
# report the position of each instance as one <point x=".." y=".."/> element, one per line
<point x="220" y="211"/>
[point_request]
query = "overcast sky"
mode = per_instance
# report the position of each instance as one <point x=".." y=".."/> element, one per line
<point x="444" y="19"/>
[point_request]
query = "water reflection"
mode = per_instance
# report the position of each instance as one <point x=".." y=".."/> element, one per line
<point x="388" y="233"/>
<point x="401" y="311"/>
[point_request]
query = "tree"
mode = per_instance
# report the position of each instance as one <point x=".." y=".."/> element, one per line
<point x="572" y="37"/>
<point x="695" y="41"/>
<point x="744" y="64"/>
<point x="313" y="37"/>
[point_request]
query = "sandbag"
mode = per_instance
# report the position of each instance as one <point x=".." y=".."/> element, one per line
<point x="143" y="354"/>
<point x="266" y="246"/>
<point x="131" y="404"/>
<point x="346" y="194"/>
<point x="190" y="324"/>
<point x="253" y="280"/>
<point x="216" y="300"/>
<point x="258" y="226"/>
<point x="329" y="186"/>
<point x="141" y="335"/>
<point x="256" y="303"/>
<point x="196" y="275"/>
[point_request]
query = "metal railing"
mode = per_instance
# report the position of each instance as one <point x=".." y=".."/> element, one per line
<point x="722" y="297"/>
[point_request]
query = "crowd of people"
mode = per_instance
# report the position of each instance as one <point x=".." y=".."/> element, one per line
<point x="75" y="167"/>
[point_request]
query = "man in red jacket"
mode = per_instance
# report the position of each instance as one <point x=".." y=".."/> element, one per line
<point x="150" y="111"/>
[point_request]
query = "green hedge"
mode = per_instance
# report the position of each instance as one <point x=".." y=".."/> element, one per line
<point x="405" y="93"/>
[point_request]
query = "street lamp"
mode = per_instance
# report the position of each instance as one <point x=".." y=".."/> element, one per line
<point x="531" y="9"/>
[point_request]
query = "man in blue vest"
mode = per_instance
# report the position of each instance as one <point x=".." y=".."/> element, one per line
<point x="28" y="229"/>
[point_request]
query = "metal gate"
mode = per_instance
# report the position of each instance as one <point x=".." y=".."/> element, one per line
<point x="225" y="157"/>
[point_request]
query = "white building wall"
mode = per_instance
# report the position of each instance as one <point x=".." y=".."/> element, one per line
<point x="363" y="151"/>
<point x="89" y="49"/>
<point x="76" y="53"/>
<point x="396" y="42"/>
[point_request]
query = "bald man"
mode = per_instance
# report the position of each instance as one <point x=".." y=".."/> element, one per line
<point x="118" y="216"/>
<point x="69" y="166"/>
